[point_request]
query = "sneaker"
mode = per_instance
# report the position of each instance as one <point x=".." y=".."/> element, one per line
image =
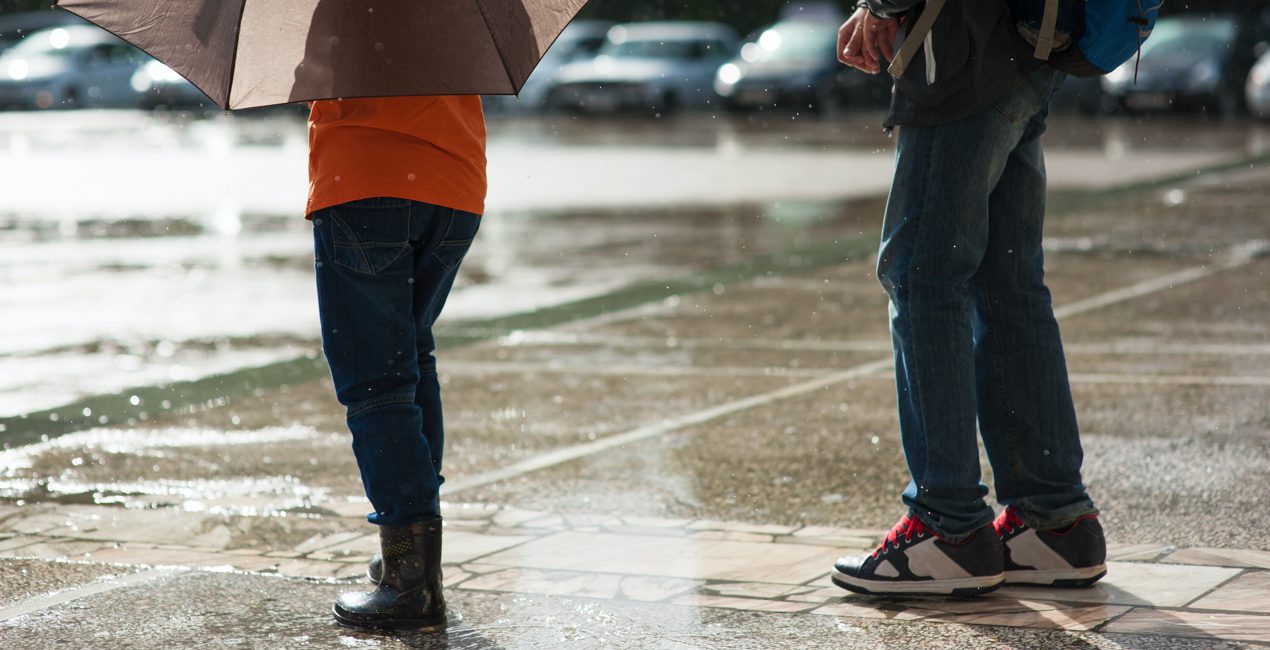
<point x="1073" y="556"/>
<point x="914" y="561"/>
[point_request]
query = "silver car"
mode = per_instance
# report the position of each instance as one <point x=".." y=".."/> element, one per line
<point x="654" y="67"/>
<point x="1257" y="89"/>
<point x="69" y="67"/>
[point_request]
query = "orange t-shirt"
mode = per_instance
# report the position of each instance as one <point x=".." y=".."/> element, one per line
<point x="427" y="149"/>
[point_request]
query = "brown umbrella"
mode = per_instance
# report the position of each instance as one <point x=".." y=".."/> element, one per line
<point x="249" y="53"/>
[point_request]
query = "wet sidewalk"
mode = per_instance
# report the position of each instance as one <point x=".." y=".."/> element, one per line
<point x="676" y="462"/>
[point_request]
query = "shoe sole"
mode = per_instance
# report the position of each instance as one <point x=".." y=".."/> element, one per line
<point x="413" y="625"/>
<point x="1063" y="579"/>
<point x="960" y="588"/>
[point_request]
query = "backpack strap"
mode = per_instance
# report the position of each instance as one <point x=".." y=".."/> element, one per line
<point x="913" y="40"/>
<point x="1049" y="25"/>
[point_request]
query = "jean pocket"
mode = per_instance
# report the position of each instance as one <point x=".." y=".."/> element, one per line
<point x="369" y="235"/>
<point x="458" y="237"/>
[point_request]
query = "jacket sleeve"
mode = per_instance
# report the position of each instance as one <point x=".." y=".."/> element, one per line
<point x="890" y="8"/>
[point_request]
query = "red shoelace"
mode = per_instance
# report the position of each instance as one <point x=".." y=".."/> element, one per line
<point x="906" y="528"/>
<point x="1007" y="521"/>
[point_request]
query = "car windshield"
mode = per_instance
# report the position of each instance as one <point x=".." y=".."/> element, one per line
<point x="792" y="42"/>
<point x="655" y="49"/>
<point x="56" y="42"/>
<point x="1190" y="38"/>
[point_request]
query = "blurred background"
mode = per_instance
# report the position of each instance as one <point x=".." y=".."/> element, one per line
<point x="146" y="237"/>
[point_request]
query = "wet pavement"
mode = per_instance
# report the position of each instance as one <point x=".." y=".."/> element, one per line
<point x="664" y="422"/>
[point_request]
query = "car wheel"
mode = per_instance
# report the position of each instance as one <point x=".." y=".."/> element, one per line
<point x="665" y="105"/>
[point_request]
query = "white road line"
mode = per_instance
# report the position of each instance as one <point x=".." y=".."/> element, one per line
<point x="575" y="452"/>
<point x="1238" y="256"/>
<point x="91" y="589"/>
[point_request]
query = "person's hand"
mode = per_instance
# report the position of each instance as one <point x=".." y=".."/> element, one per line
<point x="864" y="40"/>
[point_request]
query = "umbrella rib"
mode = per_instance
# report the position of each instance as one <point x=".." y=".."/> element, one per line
<point x="480" y="4"/>
<point x="233" y="61"/>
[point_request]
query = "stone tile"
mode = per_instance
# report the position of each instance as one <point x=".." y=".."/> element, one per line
<point x="321" y="542"/>
<point x="471" y="511"/>
<point x="656" y="522"/>
<point x="741" y="527"/>
<point x="1075" y="618"/>
<point x="480" y="568"/>
<point x="1252" y="628"/>
<point x="1127" y="583"/>
<point x="354" y="544"/>
<point x="819" y="595"/>
<point x="461" y="546"/>
<point x="650" y="588"/>
<point x="163" y="557"/>
<point x="671" y="557"/>
<point x="872" y="534"/>
<point x="548" y="522"/>
<point x="753" y="589"/>
<point x="1230" y="557"/>
<point x="1137" y="552"/>
<point x="352" y="509"/>
<point x="642" y="530"/>
<point x="511" y="517"/>
<point x="586" y="520"/>
<point x="550" y="583"/>
<point x="749" y="604"/>
<point x="58" y="549"/>
<point x="1249" y="592"/>
<point x="18" y="542"/>
<point x="452" y="576"/>
<point x="732" y="536"/>
<point x="316" y="569"/>
<point x="863" y="608"/>
<point x="844" y="545"/>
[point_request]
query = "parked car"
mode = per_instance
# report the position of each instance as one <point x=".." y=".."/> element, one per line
<point x="1257" y="88"/>
<point x="579" y="42"/>
<point x="793" y="63"/>
<point x="1198" y="62"/>
<point x="656" y="67"/>
<point x="15" y="27"/>
<point x="69" y="67"/>
<point x="157" y="86"/>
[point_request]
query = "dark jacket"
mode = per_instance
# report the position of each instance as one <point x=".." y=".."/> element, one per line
<point x="977" y="58"/>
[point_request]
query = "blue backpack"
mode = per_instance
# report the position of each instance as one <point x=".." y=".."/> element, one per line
<point x="1084" y="38"/>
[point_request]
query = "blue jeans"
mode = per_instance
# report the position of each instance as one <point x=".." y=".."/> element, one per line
<point x="972" y="325"/>
<point x="384" y="268"/>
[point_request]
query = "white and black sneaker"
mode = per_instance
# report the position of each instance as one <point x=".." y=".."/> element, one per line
<point x="913" y="561"/>
<point x="1073" y="556"/>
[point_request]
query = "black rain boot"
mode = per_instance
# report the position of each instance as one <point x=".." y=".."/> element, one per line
<point x="408" y="595"/>
<point x="375" y="568"/>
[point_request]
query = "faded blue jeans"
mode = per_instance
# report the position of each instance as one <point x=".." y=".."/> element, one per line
<point x="384" y="268"/>
<point x="972" y="325"/>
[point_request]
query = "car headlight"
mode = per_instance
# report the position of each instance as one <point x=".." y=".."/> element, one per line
<point x="1119" y="76"/>
<point x="1261" y="75"/>
<point x="19" y="69"/>
<point x="1204" y="74"/>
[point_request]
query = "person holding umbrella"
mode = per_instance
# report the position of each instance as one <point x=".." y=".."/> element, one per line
<point x="975" y="337"/>
<point x="397" y="182"/>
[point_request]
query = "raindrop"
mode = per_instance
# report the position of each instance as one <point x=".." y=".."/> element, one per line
<point x="379" y="47"/>
<point x="103" y="420"/>
<point x="53" y="417"/>
<point x="88" y="412"/>
<point x="335" y="40"/>
<point x="134" y="400"/>
<point x="1046" y="452"/>
<point x="410" y="177"/>
<point x="3" y="428"/>
<point x="338" y="179"/>
<point x="718" y="289"/>
<point x="875" y="440"/>
<point x="165" y="404"/>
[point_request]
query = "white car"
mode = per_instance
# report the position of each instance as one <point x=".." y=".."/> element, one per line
<point x="654" y="67"/>
<point x="69" y="67"/>
<point x="1257" y="90"/>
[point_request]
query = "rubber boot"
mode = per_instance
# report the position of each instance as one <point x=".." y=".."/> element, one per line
<point x="375" y="568"/>
<point x="408" y="595"/>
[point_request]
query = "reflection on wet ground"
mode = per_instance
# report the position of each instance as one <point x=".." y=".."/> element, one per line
<point x="661" y="422"/>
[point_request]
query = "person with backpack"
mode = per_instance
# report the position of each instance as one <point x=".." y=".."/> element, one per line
<point x="977" y="347"/>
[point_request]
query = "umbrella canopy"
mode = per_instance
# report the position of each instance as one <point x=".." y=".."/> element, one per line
<point x="250" y="53"/>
